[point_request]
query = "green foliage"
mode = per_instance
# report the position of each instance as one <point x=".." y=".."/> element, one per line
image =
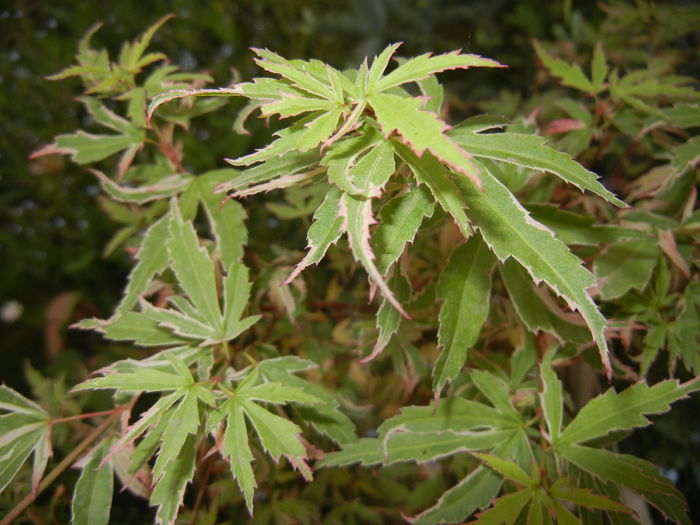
<point x="492" y="275"/>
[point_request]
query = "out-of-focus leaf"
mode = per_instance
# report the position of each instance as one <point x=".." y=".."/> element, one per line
<point x="625" y="265"/>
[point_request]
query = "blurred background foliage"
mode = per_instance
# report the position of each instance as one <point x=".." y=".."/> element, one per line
<point x="54" y="230"/>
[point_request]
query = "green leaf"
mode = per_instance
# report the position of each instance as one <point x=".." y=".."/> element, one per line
<point x="326" y="418"/>
<point x="639" y="475"/>
<point x="152" y="259"/>
<point x="510" y="232"/>
<point x="388" y="318"/>
<point x="505" y="510"/>
<point x="193" y="268"/>
<point x="686" y="156"/>
<point x="537" y="309"/>
<point x="92" y="496"/>
<point x="357" y="218"/>
<point x="431" y="172"/>
<point x="551" y="398"/>
<point x="611" y="411"/>
<point x="323" y="232"/>
<point x="293" y="71"/>
<point x="236" y="449"/>
<point x="165" y="187"/>
<point x="133" y="326"/>
<point x="182" y="423"/>
<point x="476" y="491"/>
<point x="399" y="220"/>
<point x="85" y="148"/>
<point x="287" y="164"/>
<point x="278" y="436"/>
<point x="422" y="66"/>
<point x="140" y="380"/>
<point x="378" y="67"/>
<point x="13" y="401"/>
<point x="572" y="228"/>
<point x="421" y="130"/>
<point x="293" y="105"/>
<point x="236" y="296"/>
<point x="14" y="453"/>
<point x="227" y="220"/>
<point x="599" y="68"/>
<point x="170" y="489"/>
<point x="625" y="265"/>
<point x="464" y="287"/>
<point x="174" y="94"/>
<point x="507" y="468"/>
<point x="531" y="151"/>
<point x="570" y="75"/>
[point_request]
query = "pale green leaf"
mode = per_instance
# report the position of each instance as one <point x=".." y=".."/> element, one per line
<point x="685" y="156"/>
<point x="422" y="66"/>
<point x="537" y="309"/>
<point x="326" y="418"/>
<point x="168" y="186"/>
<point x="92" y="496"/>
<point x="507" y="468"/>
<point x="625" y="265"/>
<point x="373" y="170"/>
<point x="476" y="491"/>
<point x="421" y="130"/>
<point x="323" y="232"/>
<point x="236" y="295"/>
<point x="13" y="401"/>
<point x="193" y="268"/>
<point x="318" y="130"/>
<point x="505" y="510"/>
<point x="140" y="380"/>
<point x="399" y="220"/>
<point x="84" y="148"/>
<point x="287" y="141"/>
<point x="639" y="475"/>
<point x="278" y="436"/>
<point x="342" y="155"/>
<point x="531" y="151"/>
<point x="277" y="393"/>
<point x="388" y="318"/>
<point x="227" y="219"/>
<point x="182" y="423"/>
<point x="614" y="411"/>
<point x="292" y="105"/>
<point x="510" y="232"/>
<point x="570" y="75"/>
<point x="170" y="489"/>
<point x="174" y="94"/>
<point x="179" y="323"/>
<point x="431" y="172"/>
<point x="497" y="391"/>
<point x="599" y="68"/>
<point x="133" y="326"/>
<point x="551" y="397"/>
<point x="579" y="229"/>
<point x="108" y="118"/>
<point x="357" y="218"/>
<point x="274" y="63"/>
<point x="287" y="164"/>
<point x="236" y="449"/>
<point x="14" y="455"/>
<point x="378" y="67"/>
<point x="464" y="287"/>
<point x="152" y="259"/>
<point x="585" y="497"/>
<point x="366" y="451"/>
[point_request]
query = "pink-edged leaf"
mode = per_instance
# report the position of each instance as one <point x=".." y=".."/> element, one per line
<point x="174" y="94"/>
<point x="357" y="218"/>
<point x="421" y="130"/>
